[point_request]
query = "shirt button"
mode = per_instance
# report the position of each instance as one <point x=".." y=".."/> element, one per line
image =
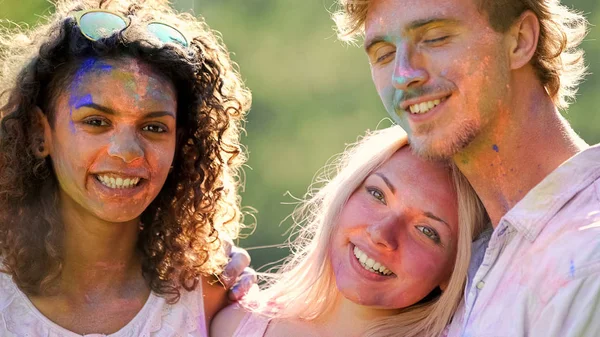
<point x="480" y="285"/>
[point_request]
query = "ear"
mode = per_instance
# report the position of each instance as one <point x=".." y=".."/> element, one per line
<point x="444" y="285"/>
<point x="524" y="35"/>
<point x="42" y="140"/>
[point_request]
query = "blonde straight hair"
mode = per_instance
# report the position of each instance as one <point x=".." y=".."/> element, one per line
<point x="304" y="286"/>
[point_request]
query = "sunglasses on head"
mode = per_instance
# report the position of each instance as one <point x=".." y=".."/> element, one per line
<point x="96" y="24"/>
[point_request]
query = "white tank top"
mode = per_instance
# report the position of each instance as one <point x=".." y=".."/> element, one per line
<point x="19" y="317"/>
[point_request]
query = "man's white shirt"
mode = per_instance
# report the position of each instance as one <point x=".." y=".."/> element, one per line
<point x="538" y="273"/>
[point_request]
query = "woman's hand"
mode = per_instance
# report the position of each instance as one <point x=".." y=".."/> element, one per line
<point x="238" y="277"/>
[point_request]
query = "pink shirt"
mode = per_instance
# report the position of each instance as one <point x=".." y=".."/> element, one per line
<point x="252" y="325"/>
<point x="540" y="273"/>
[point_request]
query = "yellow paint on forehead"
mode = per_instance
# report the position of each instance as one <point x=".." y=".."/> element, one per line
<point x="136" y="81"/>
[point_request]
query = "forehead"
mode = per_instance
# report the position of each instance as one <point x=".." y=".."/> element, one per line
<point x="422" y="178"/>
<point x="387" y="16"/>
<point x="120" y="79"/>
<point x="127" y="70"/>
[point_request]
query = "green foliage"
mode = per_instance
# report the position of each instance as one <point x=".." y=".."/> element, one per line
<point x="311" y="96"/>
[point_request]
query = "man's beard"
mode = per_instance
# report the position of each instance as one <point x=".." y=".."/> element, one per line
<point x="443" y="147"/>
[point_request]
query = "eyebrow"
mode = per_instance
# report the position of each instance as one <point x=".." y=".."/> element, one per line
<point x="432" y="216"/>
<point x="109" y="111"/>
<point x="393" y="189"/>
<point x="410" y="27"/>
<point x="426" y="22"/>
<point x="387" y="182"/>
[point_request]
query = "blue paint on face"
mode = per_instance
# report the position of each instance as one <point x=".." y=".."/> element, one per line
<point x="76" y="98"/>
<point x="89" y="65"/>
<point x="495" y="148"/>
<point x="76" y="102"/>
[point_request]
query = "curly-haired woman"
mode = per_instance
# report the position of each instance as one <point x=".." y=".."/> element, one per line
<point x="119" y="152"/>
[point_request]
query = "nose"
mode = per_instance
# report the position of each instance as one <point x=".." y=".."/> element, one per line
<point x="384" y="233"/>
<point x="125" y="144"/>
<point x="407" y="70"/>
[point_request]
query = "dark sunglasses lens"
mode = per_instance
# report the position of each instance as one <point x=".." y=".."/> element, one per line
<point x="167" y="34"/>
<point x="99" y="25"/>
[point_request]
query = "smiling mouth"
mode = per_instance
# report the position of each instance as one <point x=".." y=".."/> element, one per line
<point x="117" y="181"/>
<point x="423" y="107"/>
<point x="370" y="264"/>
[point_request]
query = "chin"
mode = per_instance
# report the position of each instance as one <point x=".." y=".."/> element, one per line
<point x="118" y="219"/>
<point x="366" y="298"/>
<point x="120" y="214"/>
<point x="443" y="146"/>
<point x="424" y="148"/>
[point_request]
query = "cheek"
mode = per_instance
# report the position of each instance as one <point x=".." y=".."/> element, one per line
<point x="74" y="151"/>
<point x="427" y="265"/>
<point x="160" y="157"/>
<point x="382" y="78"/>
<point x="355" y="214"/>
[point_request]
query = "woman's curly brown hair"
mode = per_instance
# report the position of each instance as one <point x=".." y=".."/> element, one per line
<point x="198" y="204"/>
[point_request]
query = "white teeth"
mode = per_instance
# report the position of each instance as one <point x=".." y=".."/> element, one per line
<point x="118" y="182"/>
<point x="423" y="107"/>
<point x="370" y="264"/>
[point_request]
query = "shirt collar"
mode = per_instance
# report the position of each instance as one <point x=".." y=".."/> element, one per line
<point x="544" y="201"/>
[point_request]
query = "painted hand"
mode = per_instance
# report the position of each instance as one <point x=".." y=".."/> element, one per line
<point x="238" y="277"/>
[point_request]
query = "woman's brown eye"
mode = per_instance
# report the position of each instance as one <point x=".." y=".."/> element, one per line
<point x="95" y="122"/>
<point x="154" y="128"/>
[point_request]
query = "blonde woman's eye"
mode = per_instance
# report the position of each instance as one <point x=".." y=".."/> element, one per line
<point x="430" y="233"/>
<point x="377" y="194"/>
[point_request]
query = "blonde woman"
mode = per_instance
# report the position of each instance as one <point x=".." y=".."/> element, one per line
<point x="383" y="250"/>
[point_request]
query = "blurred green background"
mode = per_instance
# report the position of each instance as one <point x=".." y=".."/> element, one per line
<point x="312" y="95"/>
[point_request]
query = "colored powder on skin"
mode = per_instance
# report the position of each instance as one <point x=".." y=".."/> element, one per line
<point x="495" y="148"/>
<point x="572" y="269"/>
<point x="75" y="102"/>
<point x="79" y="101"/>
<point x="89" y="65"/>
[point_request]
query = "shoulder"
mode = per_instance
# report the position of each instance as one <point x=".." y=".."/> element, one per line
<point x="15" y="314"/>
<point x="214" y="298"/>
<point x="569" y="239"/>
<point x="227" y="321"/>
<point x="8" y="290"/>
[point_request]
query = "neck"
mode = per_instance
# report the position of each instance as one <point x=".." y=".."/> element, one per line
<point x="526" y="142"/>
<point x="99" y="256"/>
<point x="350" y="319"/>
